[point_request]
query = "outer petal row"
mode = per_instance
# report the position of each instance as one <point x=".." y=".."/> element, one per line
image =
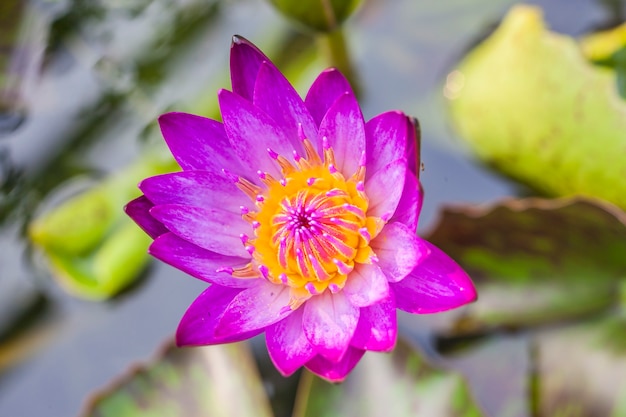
<point x="202" y="189"/>
<point x="336" y="371"/>
<point x="436" y="284"/>
<point x="222" y="315"/>
<point x="251" y="132"/>
<point x="212" y="229"/>
<point x="198" y="143"/>
<point x="287" y="344"/>
<point x="139" y="210"/>
<point x="410" y="204"/>
<point x="245" y="61"/>
<point x="197" y="262"/>
<point x="289" y="112"/>
<point x="386" y="136"/>
<point x="197" y="327"/>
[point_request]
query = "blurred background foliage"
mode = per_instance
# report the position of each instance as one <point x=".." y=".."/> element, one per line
<point x="522" y="113"/>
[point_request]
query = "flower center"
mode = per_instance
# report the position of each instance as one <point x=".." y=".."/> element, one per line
<point x="310" y="226"/>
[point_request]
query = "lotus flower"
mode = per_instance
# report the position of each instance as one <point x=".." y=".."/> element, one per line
<point x="301" y="216"/>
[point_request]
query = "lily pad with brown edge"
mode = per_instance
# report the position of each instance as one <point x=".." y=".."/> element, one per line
<point x="579" y="372"/>
<point x="535" y="261"/>
<point x="531" y="105"/>
<point x="216" y="381"/>
<point x="395" y="384"/>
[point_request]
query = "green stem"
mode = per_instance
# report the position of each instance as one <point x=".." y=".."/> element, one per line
<point x="335" y="48"/>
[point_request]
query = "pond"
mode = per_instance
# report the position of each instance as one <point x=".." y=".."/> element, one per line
<point x="88" y="80"/>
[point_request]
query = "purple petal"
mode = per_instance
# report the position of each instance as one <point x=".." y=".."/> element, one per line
<point x="378" y="327"/>
<point x="195" y="188"/>
<point x="197" y="327"/>
<point x="386" y="136"/>
<point x="255" y="308"/>
<point x="139" y="210"/>
<point x="410" y="203"/>
<point x="198" y="262"/>
<point x="344" y="127"/>
<point x="245" y="61"/>
<point x="366" y="285"/>
<point x="212" y="229"/>
<point x="413" y="146"/>
<point x="287" y="345"/>
<point x="399" y="251"/>
<point x="251" y="132"/>
<point x="437" y="284"/>
<point x="384" y="189"/>
<point x="335" y="371"/>
<point x="325" y="90"/>
<point x="329" y="321"/>
<point x="275" y="96"/>
<point x="198" y="143"/>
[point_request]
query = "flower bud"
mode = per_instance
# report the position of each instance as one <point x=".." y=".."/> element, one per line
<point x="318" y="15"/>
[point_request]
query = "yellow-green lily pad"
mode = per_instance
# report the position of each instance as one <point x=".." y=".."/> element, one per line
<point x="530" y="104"/>
<point x="93" y="249"/>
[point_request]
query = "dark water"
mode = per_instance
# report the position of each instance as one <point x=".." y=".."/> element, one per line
<point x="94" y="81"/>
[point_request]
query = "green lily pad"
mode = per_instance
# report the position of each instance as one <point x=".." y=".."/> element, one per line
<point x="531" y="105"/>
<point x="94" y="250"/>
<point x="395" y="384"/>
<point x="535" y="260"/>
<point x="577" y="372"/>
<point x="216" y="381"/>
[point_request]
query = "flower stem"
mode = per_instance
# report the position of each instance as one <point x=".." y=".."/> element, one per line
<point x="334" y="46"/>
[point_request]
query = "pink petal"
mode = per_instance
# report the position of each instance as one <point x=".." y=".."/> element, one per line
<point x="335" y="371"/>
<point x="413" y="146"/>
<point x="195" y="188"/>
<point x="399" y="251"/>
<point x="255" y="308"/>
<point x="251" y="132"/>
<point x="139" y="210"/>
<point x="198" y="262"/>
<point x="198" y="143"/>
<point x="378" y="327"/>
<point x="245" y="61"/>
<point x="436" y="284"/>
<point x="386" y="136"/>
<point x="197" y="327"/>
<point x="384" y="189"/>
<point x="329" y="321"/>
<point x="366" y="285"/>
<point x="287" y="345"/>
<point x="275" y="96"/>
<point x="344" y="127"/>
<point x="325" y="90"/>
<point x="212" y="229"/>
<point x="410" y="203"/>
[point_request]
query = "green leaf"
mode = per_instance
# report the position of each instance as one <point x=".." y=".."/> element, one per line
<point x="578" y="373"/>
<point x="536" y="260"/>
<point x="93" y="248"/>
<point x="387" y="384"/>
<point x="216" y="381"/>
<point x="531" y="105"/>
